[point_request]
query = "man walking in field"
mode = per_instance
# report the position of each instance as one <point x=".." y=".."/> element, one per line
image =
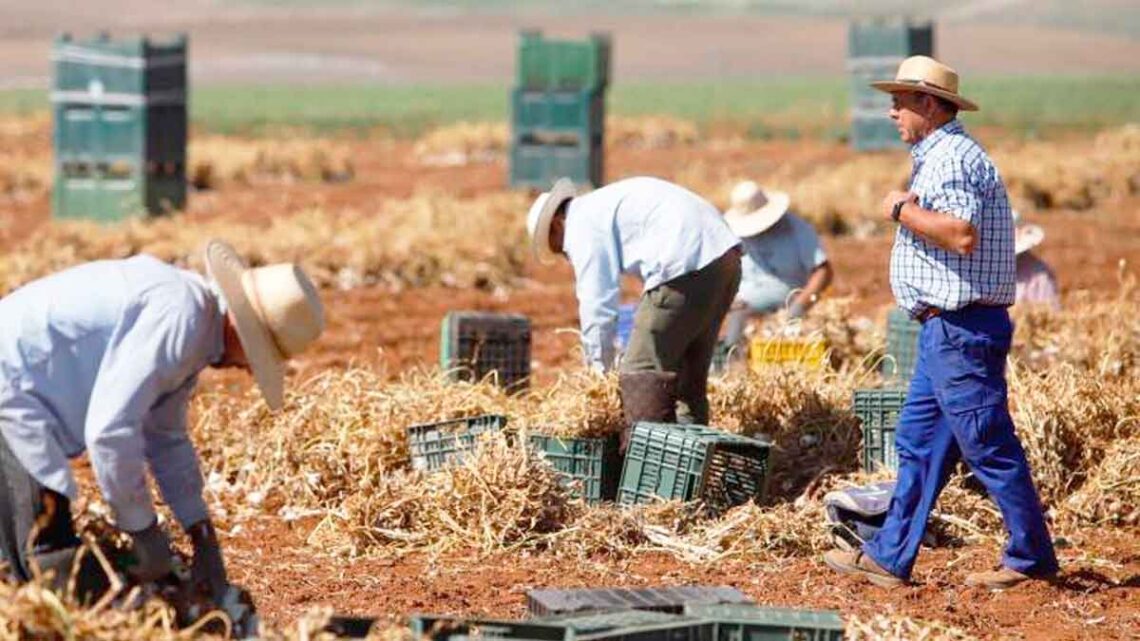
<point x="689" y="262"/>
<point x="952" y="268"/>
<point x="103" y="357"/>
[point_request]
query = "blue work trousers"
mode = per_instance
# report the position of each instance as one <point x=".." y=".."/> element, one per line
<point x="956" y="408"/>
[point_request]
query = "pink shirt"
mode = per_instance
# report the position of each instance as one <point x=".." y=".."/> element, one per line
<point x="1036" y="283"/>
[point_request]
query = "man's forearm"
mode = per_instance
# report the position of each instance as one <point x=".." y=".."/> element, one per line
<point x="948" y="232"/>
<point x="818" y="281"/>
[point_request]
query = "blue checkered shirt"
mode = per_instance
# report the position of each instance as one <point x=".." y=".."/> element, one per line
<point x="952" y="174"/>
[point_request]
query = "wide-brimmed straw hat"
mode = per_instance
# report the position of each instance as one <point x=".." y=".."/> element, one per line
<point x="541" y="214"/>
<point x="276" y="311"/>
<point x="926" y="75"/>
<point x="1026" y="236"/>
<point x="753" y="210"/>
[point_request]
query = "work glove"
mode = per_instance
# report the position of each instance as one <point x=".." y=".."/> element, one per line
<point x="151" y="549"/>
<point x="208" y="569"/>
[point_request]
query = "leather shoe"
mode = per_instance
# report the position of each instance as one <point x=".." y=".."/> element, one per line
<point x="856" y="563"/>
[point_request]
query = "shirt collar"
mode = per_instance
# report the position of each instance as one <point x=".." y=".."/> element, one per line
<point x="923" y="147"/>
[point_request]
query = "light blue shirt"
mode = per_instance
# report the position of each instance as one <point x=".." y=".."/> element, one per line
<point x="778" y="261"/>
<point x="103" y="357"/>
<point x="642" y="226"/>
<point x="953" y="175"/>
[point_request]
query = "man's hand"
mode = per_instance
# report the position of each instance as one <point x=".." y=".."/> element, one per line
<point x="208" y="569"/>
<point x="893" y="197"/>
<point x="151" y="548"/>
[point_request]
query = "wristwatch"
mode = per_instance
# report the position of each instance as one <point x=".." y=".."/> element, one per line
<point x="897" y="210"/>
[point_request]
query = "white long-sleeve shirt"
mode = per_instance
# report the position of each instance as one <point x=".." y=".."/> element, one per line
<point x="643" y="226"/>
<point x="103" y="357"/>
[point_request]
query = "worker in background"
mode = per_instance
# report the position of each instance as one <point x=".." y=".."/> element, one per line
<point x="689" y="262"/>
<point x="784" y="264"/>
<point x="1036" y="283"/>
<point x="103" y="358"/>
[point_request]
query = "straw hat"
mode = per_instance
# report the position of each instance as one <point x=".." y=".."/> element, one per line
<point x="276" y="311"/>
<point x="1026" y="236"/>
<point x="926" y="75"/>
<point x="542" y="213"/>
<point x="753" y="211"/>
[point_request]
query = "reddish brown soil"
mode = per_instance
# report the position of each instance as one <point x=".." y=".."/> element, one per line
<point x="1098" y="596"/>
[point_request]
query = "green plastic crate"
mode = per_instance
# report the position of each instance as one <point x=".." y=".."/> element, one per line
<point x="537" y="166"/>
<point x="692" y="462"/>
<point x="594" y="463"/>
<point x="599" y="621"/>
<point x="555" y="135"/>
<point x="622" y="626"/>
<point x="887" y="37"/>
<point x="120" y="127"/>
<point x="563" y="65"/>
<point x="878" y="411"/>
<point x="474" y="345"/>
<point x="902" y="345"/>
<point x="436" y="445"/>
<point x="551" y="602"/>
<point x="756" y="623"/>
<point x="875" y="47"/>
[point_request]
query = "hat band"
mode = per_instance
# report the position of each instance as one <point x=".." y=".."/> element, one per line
<point x="923" y="83"/>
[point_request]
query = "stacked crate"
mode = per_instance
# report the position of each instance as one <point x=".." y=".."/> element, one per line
<point x="119" y="110"/>
<point x="875" y="47"/>
<point x="558" y="110"/>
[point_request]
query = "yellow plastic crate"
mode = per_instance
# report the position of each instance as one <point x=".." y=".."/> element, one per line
<point x="765" y="352"/>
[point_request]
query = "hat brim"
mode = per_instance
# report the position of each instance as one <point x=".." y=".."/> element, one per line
<point x="225" y="267"/>
<point x="562" y="191"/>
<point x="893" y="86"/>
<point x="1027" y="237"/>
<point x="746" y="223"/>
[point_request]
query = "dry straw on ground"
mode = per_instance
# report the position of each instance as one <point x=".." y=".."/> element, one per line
<point x="466" y="143"/>
<point x="900" y="628"/>
<point x="428" y="239"/>
<point x="215" y="160"/>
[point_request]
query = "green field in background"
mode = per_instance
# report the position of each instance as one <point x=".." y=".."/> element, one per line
<point x="775" y="108"/>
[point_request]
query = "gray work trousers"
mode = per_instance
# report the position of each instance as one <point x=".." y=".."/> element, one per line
<point x="22" y="501"/>
<point x="675" y="329"/>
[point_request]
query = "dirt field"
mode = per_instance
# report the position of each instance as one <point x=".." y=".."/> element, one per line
<point x="1097" y="596"/>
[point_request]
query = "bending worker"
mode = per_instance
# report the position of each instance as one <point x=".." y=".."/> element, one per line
<point x="689" y="262"/>
<point x="103" y="357"/>
<point x="783" y="264"/>
<point x="952" y="268"/>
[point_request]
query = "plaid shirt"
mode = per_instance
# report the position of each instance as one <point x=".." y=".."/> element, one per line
<point x="952" y="174"/>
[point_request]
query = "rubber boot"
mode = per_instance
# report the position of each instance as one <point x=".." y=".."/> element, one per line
<point x="91" y="581"/>
<point x="648" y="396"/>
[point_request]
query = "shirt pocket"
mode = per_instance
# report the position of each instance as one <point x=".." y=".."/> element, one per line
<point x="970" y="374"/>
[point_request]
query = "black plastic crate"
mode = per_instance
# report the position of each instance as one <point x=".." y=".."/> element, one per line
<point x="595" y="463"/>
<point x="756" y="623"/>
<point x="670" y="600"/>
<point x="436" y="445"/>
<point x="476" y="344"/>
<point x="902" y="345"/>
<point x="878" y="411"/>
<point x="692" y="462"/>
